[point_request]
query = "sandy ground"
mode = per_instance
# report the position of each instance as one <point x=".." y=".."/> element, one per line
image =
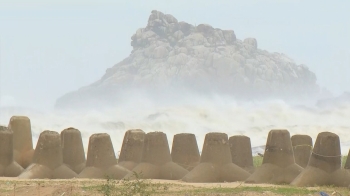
<point x="87" y="187"/>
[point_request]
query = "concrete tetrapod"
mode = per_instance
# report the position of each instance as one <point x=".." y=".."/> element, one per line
<point x="48" y="160"/>
<point x="3" y="128"/>
<point x="278" y="166"/>
<point x="216" y="162"/>
<point x="185" y="151"/>
<point x="241" y="152"/>
<point x="132" y="147"/>
<point x="324" y="167"/>
<point x="302" y="147"/>
<point x="101" y="161"/>
<point x="8" y="167"/>
<point x="22" y="140"/>
<point x="156" y="162"/>
<point x="73" y="149"/>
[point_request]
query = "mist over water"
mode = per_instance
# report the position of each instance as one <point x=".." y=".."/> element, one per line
<point x="197" y="115"/>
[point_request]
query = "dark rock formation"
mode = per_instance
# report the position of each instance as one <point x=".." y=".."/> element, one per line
<point x="334" y="101"/>
<point x="168" y="54"/>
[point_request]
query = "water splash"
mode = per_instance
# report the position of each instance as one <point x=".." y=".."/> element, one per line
<point x="254" y="120"/>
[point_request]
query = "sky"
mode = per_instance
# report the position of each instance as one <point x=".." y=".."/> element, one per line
<point x="49" y="49"/>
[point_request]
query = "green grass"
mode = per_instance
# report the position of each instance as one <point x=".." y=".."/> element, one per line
<point x="140" y="187"/>
<point x="127" y="187"/>
<point x="146" y="188"/>
<point x="343" y="161"/>
<point x="277" y="190"/>
<point x="257" y="161"/>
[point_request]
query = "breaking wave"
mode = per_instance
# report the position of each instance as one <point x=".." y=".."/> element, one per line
<point x="201" y="116"/>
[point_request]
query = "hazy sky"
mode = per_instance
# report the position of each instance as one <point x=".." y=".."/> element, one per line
<point x="49" y="49"/>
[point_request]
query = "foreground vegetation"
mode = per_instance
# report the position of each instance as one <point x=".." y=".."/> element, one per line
<point x="147" y="188"/>
<point x="142" y="187"/>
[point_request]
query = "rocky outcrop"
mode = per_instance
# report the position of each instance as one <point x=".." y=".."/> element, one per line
<point x="340" y="101"/>
<point x="177" y="55"/>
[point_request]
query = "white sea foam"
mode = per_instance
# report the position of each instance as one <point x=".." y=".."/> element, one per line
<point x="199" y="117"/>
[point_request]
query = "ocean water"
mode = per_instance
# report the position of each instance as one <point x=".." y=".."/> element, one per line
<point x="200" y="116"/>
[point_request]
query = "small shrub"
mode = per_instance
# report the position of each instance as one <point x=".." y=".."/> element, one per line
<point x="257" y="161"/>
<point x="131" y="187"/>
<point x="108" y="188"/>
